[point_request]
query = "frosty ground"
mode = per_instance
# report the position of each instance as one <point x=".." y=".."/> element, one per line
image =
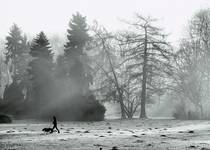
<point x="151" y="134"/>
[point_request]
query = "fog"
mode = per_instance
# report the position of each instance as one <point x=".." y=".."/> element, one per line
<point x="97" y="68"/>
<point x="53" y="16"/>
<point x="106" y="74"/>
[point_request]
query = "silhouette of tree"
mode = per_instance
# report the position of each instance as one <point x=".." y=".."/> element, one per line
<point x="147" y="55"/>
<point x="17" y="49"/>
<point x="77" y="70"/>
<point x="17" y="58"/>
<point x="192" y="72"/>
<point x="40" y="70"/>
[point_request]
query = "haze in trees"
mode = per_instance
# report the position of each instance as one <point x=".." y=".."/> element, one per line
<point x="74" y="52"/>
<point x="17" y="59"/>
<point x="40" y="72"/>
<point x="148" y="89"/>
<point x="17" y="49"/>
<point x="191" y="71"/>
<point x="74" y="67"/>
<point x="134" y="68"/>
<point x="147" y="57"/>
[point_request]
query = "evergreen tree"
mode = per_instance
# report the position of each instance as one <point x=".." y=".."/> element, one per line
<point x="17" y="58"/>
<point x="77" y="34"/>
<point x="17" y="53"/>
<point x="60" y="70"/>
<point x="74" y="75"/>
<point x="74" y="52"/>
<point x="40" y="70"/>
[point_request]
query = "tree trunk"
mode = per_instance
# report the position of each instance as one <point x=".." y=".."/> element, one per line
<point x="144" y="80"/>
<point x="201" y="111"/>
<point x="143" y="94"/>
<point x="123" y="116"/>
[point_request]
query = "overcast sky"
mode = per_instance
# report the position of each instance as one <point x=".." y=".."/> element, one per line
<point x="52" y="16"/>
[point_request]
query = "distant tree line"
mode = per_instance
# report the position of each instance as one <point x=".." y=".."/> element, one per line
<point x="191" y="75"/>
<point x="41" y="87"/>
<point x="133" y="68"/>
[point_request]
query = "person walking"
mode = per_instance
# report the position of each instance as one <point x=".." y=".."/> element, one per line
<point x="55" y="124"/>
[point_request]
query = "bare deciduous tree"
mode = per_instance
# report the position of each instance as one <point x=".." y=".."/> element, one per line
<point x="192" y="72"/>
<point x="102" y="37"/>
<point x="146" y="53"/>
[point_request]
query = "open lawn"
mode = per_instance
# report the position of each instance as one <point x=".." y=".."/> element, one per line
<point x="135" y="134"/>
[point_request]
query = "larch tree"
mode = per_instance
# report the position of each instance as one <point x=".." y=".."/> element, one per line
<point x="147" y="56"/>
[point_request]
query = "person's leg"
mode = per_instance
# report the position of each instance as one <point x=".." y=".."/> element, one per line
<point x="57" y="129"/>
<point x="52" y="129"/>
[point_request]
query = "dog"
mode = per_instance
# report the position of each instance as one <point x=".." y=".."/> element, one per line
<point x="47" y="130"/>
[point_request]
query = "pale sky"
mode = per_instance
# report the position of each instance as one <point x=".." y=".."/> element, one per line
<point x="52" y="16"/>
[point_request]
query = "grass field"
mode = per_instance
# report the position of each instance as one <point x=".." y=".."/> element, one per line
<point x="135" y="134"/>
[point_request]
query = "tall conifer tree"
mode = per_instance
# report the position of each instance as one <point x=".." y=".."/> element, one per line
<point x="17" y="49"/>
<point x="74" y="52"/>
<point x="40" y="70"/>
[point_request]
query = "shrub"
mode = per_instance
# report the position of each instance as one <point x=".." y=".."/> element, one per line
<point x="92" y="110"/>
<point x="179" y="112"/>
<point x="5" y="119"/>
<point x="12" y="100"/>
<point x="78" y="108"/>
<point x="13" y="93"/>
<point x="193" y="115"/>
